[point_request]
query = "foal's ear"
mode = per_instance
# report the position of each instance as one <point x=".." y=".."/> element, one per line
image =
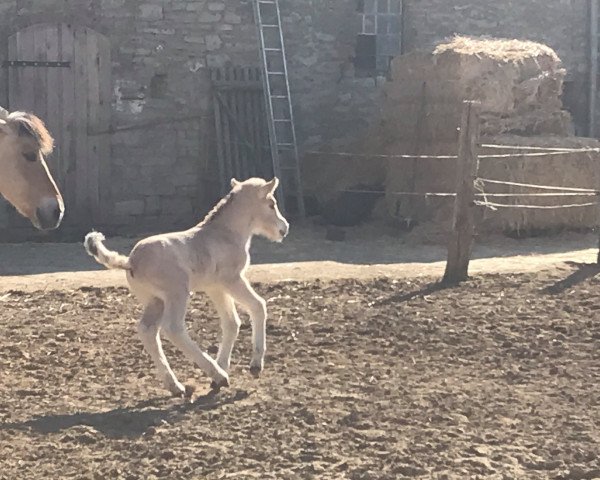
<point x="234" y="183"/>
<point x="270" y="187"/>
<point x="273" y="184"/>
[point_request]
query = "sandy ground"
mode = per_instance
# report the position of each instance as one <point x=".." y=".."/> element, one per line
<point x="383" y="376"/>
<point x="371" y="379"/>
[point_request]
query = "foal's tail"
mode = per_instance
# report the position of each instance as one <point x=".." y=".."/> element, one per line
<point x="94" y="246"/>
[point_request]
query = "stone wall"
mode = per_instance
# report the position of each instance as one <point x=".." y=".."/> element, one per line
<point x="161" y="175"/>
<point x="161" y="50"/>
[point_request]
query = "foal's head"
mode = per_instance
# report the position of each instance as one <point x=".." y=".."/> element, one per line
<point x="257" y="198"/>
<point x="24" y="177"/>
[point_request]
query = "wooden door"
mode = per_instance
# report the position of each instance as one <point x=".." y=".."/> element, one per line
<point x="62" y="74"/>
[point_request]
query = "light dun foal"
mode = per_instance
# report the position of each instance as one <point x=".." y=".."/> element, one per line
<point x="212" y="257"/>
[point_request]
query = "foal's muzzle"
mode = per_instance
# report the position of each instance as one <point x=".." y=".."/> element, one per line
<point x="49" y="214"/>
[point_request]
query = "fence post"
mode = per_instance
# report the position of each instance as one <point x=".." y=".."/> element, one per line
<point x="461" y="237"/>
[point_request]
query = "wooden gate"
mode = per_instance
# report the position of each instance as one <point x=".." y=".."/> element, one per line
<point x="242" y="139"/>
<point x="62" y="74"/>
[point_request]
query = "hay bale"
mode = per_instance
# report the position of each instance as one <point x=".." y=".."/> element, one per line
<point x="518" y="83"/>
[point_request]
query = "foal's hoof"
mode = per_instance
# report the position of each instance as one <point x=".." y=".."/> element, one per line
<point x="179" y="392"/>
<point x="255" y="371"/>
<point x="189" y="391"/>
<point x="216" y="386"/>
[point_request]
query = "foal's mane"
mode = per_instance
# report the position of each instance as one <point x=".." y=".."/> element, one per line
<point x="217" y="209"/>
<point x="31" y="126"/>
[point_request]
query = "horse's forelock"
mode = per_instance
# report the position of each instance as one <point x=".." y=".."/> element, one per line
<point x="31" y="126"/>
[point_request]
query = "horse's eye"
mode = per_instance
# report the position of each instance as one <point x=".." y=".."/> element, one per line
<point x="30" y="157"/>
<point x="272" y="206"/>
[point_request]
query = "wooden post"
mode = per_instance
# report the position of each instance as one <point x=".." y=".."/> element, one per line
<point x="461" y="237"/>
<point x="593" y="86"/>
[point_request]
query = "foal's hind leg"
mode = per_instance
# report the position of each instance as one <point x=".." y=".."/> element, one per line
<point x="174" y="328"/>
<point x="148" y="331"/>
<point x="230" y="326"/>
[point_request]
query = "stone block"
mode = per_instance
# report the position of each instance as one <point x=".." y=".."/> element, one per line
<point x="149" y="11"/>
<point x="216" y="6"/>
<point x="129" y="207"/>
<point x="207" y="17"/>
<point x="213" y="42"/>
<point x="232" y="18"/>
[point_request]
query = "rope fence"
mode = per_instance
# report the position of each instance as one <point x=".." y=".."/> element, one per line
<point x="541" y="187"/>
<point x="449" y="194"/>
<point x="470" y="188"/>
<point x="494" y="206"/>
<point x="499" y="156"/>
<point x="542" y="149"/>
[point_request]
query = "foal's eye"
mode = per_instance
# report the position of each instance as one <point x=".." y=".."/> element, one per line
<point x="30" y="157"/>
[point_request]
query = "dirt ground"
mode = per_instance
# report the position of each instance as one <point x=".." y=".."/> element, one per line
<point x="384" y="376"/>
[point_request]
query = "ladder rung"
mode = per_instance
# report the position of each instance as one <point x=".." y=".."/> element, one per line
<point x="285" y="144"/>
<point x="273" y="50"/>
<point x="276" y="73"/>
<point x="279" y="96"/>
<point x="282" y="120"/>
<point x="268" y="2"/>
<point x="269" y="26"/>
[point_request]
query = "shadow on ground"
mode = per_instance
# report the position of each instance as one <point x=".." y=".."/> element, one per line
<point x="127" y="422"/>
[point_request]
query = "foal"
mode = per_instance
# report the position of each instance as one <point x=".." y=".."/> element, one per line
<point x="212" y="257"/>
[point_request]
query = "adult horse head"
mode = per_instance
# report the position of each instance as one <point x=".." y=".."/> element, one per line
<point x="25" y="180"/>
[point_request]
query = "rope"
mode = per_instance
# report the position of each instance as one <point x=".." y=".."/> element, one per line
<point x="542" y="149"/>
<point x="541" y="187"/>
<point x="380" y="155"/>
<point x="564" y="194"/>
<point x="493" y="206"/>
<point x="530" y="155"/>
<point x="483" y="194"/>
<point x="408" y="194"/>
<point x="549" y="153"/>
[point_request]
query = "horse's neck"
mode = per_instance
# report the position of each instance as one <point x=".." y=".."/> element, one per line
<point x="232" y="220"/>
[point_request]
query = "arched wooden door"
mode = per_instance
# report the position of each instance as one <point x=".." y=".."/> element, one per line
<point x="62" y="74"/>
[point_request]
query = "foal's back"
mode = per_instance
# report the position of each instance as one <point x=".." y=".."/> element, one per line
<point x="201" y="257"/>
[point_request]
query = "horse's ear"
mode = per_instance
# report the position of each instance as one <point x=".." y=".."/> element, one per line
<point x="234" y="183"/>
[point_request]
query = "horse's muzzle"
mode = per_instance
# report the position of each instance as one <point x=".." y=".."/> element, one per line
<point x="49" y="215"/>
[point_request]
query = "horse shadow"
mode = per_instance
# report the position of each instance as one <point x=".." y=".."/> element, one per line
<point x="128" y="422"/>
<point x="582" y="272"/>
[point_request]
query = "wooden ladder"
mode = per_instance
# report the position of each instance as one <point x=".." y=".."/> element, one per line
<point x="282" y="132"/>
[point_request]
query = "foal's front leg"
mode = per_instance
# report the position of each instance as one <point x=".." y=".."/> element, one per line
<point x="256" y="306"/>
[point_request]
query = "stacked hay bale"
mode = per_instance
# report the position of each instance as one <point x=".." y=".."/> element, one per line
<point x="519" y="85"/>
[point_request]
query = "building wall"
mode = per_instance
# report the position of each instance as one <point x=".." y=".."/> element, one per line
<point x="161" y="50"/>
